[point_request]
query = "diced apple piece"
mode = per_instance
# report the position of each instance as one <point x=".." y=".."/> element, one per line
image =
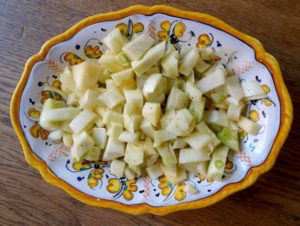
<point x="128" y="173"/>
<point x="147" y="128"/>
<point x="218" y="98"/>
<point x="56" y="135"/>
<point x="148" y="147"/>
<point x="60" y="114"/>
<point x="100" y="137"/>
<point x="234" y="112"/>
<point x="162" y="136"/>
<point x="233" y="126"/>
<point x="190" y="189"/>
<point x="86" y="74"/>
<point x="132" y="108"/>
<point x="198" y="140"/>
<point x="72" y="99"/>
<point x="191" y="78"/>
<point x="136" y="169"/>
<point x="117" y="167"/>
<point x="202" y="168"/>
<point x="115" y="130"/>
<point x="112" y="116"/>
<point x="115" y="41"/>
<point x="154" y="171"/>
<point x="207" y="54"/>
<point x="93" y="154"/>
<point x="151" y="159"/>
<point x="110" y="62"/>
<point x="180" y="176"/>
<point x="134" y="154"/>
<point x="253" y="90"/>
<point x="215" y="77"/>
<point x="167" y="118"/>
<point x="89" y="100"/>
<point x="111" y="98"/>
<point x="177" y="99"/>
<point x="111" y="86"/>
<point x="82" y="121"/>
<point x="46" y="124"/>
<point x="132" y="123"/>
<point x="68" y="139"/>
<point x="189" y="155"/>
<point x="140" y="80"/>
<point x="179" y="143"/>
<point x="184" y="114"/>
<point x="82" y="143"/>
<point x="129" y="137"/>
<point x="99" y="122"/>
<point x="248" y="125"/>
<point x="197" y="109"/>
<point x="153" y="86"/>
<point x="136" y="48"/>
<point x="201" y="66"/>
<point x="190" y="167"/>
<point x="169" y="64"/>
<point x="170" y="170"/>
<point x="134" y="96"/>
<point x="203" y="128"/>
<point x="217" y="163"/>
<point x="215" y="117"/>
<point x="105" y="74"/>
<point x="167" y="154"/>
<point x="159" y="99"/>
<point x="181" y="124"/>
<point x="193" y="92"/>
<point x="152" y="113"/>
<point x="67" y="81"/>
<point x="114" y="149"/>
<point x="229" y="138"/>
<point x="234" y="87"/>
<point x="189" y="62"/>
<point x="184" y="50"/>
<point x="123" y="59"/>
<point x="122" y="77"/>
<point x="150" y="58"/>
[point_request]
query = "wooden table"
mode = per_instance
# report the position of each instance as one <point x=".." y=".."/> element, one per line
<point x="26" y="199"/>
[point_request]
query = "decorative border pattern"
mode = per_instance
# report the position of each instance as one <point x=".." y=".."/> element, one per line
<point x="261" y="56"/>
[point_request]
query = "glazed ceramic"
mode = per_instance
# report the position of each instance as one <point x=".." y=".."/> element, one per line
<point x="92" y="182"/>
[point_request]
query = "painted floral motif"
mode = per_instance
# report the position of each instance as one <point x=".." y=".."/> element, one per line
<point x="122" y="187"/>
<point x="228" y="164"/>
<point x="130" y="28"/>
<point x="36" y="130"/>
<point x="56" y="84"/>
<point x="94" y="177"/>
<point x="46" y="94"/>
<point x="92" y="50"/>
<point x="172" y="32"/>
<point x="167" y="189"/>
<point x="96" y="171"/>
<point x="254" y="116"/>
<point x="33" y="113"/>
<point x="205" y="40"/>
<point x="267" y="102"/>
<point x="72" y="58"/>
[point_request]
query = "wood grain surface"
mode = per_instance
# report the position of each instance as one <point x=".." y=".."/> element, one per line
<point x="26" y="199"/>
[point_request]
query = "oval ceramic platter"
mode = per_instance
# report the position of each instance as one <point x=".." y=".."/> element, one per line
<point x="92" y="182"/>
